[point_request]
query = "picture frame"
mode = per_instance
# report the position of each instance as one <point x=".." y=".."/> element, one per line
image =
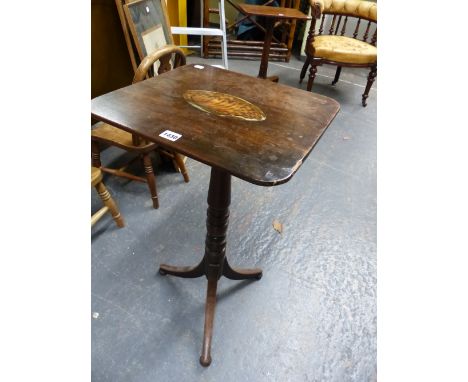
<point x="154" y="39"/>
<point x="149" y="25"/>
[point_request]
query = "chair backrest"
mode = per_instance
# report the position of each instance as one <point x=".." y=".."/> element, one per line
<point x="169" y="57"/>
<point x="165" y="57"/>
<point x="345" y="13"/>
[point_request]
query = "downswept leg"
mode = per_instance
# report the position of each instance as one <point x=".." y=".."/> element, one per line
<point x="185" y="272"/>
<point x="205" y="358"/>
<point x="241" y="274"/>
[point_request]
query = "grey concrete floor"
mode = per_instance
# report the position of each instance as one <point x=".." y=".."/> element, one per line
<point x="312" y="317"/>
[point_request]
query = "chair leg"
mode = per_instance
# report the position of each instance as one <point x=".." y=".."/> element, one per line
<point x="337" y="75"/>
<point x="151" y="179"/>
<point x="370" y="81"/>
<point x="95" y="154"/>
<point x="304" y="69"/>
<point x="180" y="163"/>
<point x="312" y="72"/>
<point x="109" y="203"/>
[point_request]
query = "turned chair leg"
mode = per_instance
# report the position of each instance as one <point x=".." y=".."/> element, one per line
<point x="312" y="72"/>
<point x="304" y="69"/>
<point x="95" y="154"/>
<point x="370" y="81"/>
<point x="180" y="163"/>
<point x="337" y="75"/>
<point x="110" y="204"/>
<point x="150" y="179"/>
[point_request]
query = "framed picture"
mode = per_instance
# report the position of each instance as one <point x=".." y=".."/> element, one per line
<point x="149" y="24"/>
<point x="153" y="39"/>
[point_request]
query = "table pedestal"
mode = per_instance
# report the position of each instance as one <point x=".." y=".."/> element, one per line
<point x="214" y="263"/>
<point x="262" y="73"/>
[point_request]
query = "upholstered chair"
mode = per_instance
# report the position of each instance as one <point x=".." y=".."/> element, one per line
<point x="356" y="48"/>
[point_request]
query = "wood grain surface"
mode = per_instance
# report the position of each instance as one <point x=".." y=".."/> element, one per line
<point x="264" y="152"/>
<point x="224" y="105"/>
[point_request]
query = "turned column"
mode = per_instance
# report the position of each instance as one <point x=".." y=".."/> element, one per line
<point x="214" y="263"/>
<point x="219" y="199"/>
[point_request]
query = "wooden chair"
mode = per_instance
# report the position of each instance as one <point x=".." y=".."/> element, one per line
<point x="337" y="49"/>
<point x="105" y="134"/>
<point x="109" y="204"/>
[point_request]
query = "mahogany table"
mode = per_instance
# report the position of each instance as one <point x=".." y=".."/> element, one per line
<point x="271" y="14"/>
<point x="259" y="131"/>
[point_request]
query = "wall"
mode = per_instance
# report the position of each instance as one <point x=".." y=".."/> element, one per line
<point x="111" y="67"/>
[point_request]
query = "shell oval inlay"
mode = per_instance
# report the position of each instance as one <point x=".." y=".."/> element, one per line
<point x="224" y="105"/>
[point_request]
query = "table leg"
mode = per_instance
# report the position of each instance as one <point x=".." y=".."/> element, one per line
<point x="185" y="272"/>
<point x="270" y="23"/>
<point x="214" y="263"/>
<point x="241" y="274"/>
<point x="205" y="358"/>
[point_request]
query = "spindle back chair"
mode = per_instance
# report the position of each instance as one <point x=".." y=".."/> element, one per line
<point x="103" y="134"/>
<point x="337" y="46"/>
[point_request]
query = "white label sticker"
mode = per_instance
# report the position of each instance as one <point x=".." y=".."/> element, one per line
<point x="168" y="134"/>
<point x="199" y="66"/>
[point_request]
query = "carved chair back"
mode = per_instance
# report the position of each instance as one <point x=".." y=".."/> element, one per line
<point x="169" y="57"/>
<point x="360" y="15"/>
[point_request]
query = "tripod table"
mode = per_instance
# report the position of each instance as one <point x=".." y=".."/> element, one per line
<point x="241" y="126"/>
<point x="271" y="15"/>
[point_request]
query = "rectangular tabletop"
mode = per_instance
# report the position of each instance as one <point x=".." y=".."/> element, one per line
<point x="276" y="12"/>
<point x="264" y="152"/>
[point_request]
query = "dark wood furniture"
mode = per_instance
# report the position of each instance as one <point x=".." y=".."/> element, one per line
<point x="104" y="134"/>
<point x="109" y="204"/>
<point x="271" y="14"/>
<point x="358" y="50"/>
<point x="263" y="151"/>
<point x="280" y="48"/>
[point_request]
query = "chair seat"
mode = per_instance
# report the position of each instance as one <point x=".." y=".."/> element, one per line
<point x="96" y="176"/>
<point x="344" y="49"/>
<point x="118" y="137"/>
